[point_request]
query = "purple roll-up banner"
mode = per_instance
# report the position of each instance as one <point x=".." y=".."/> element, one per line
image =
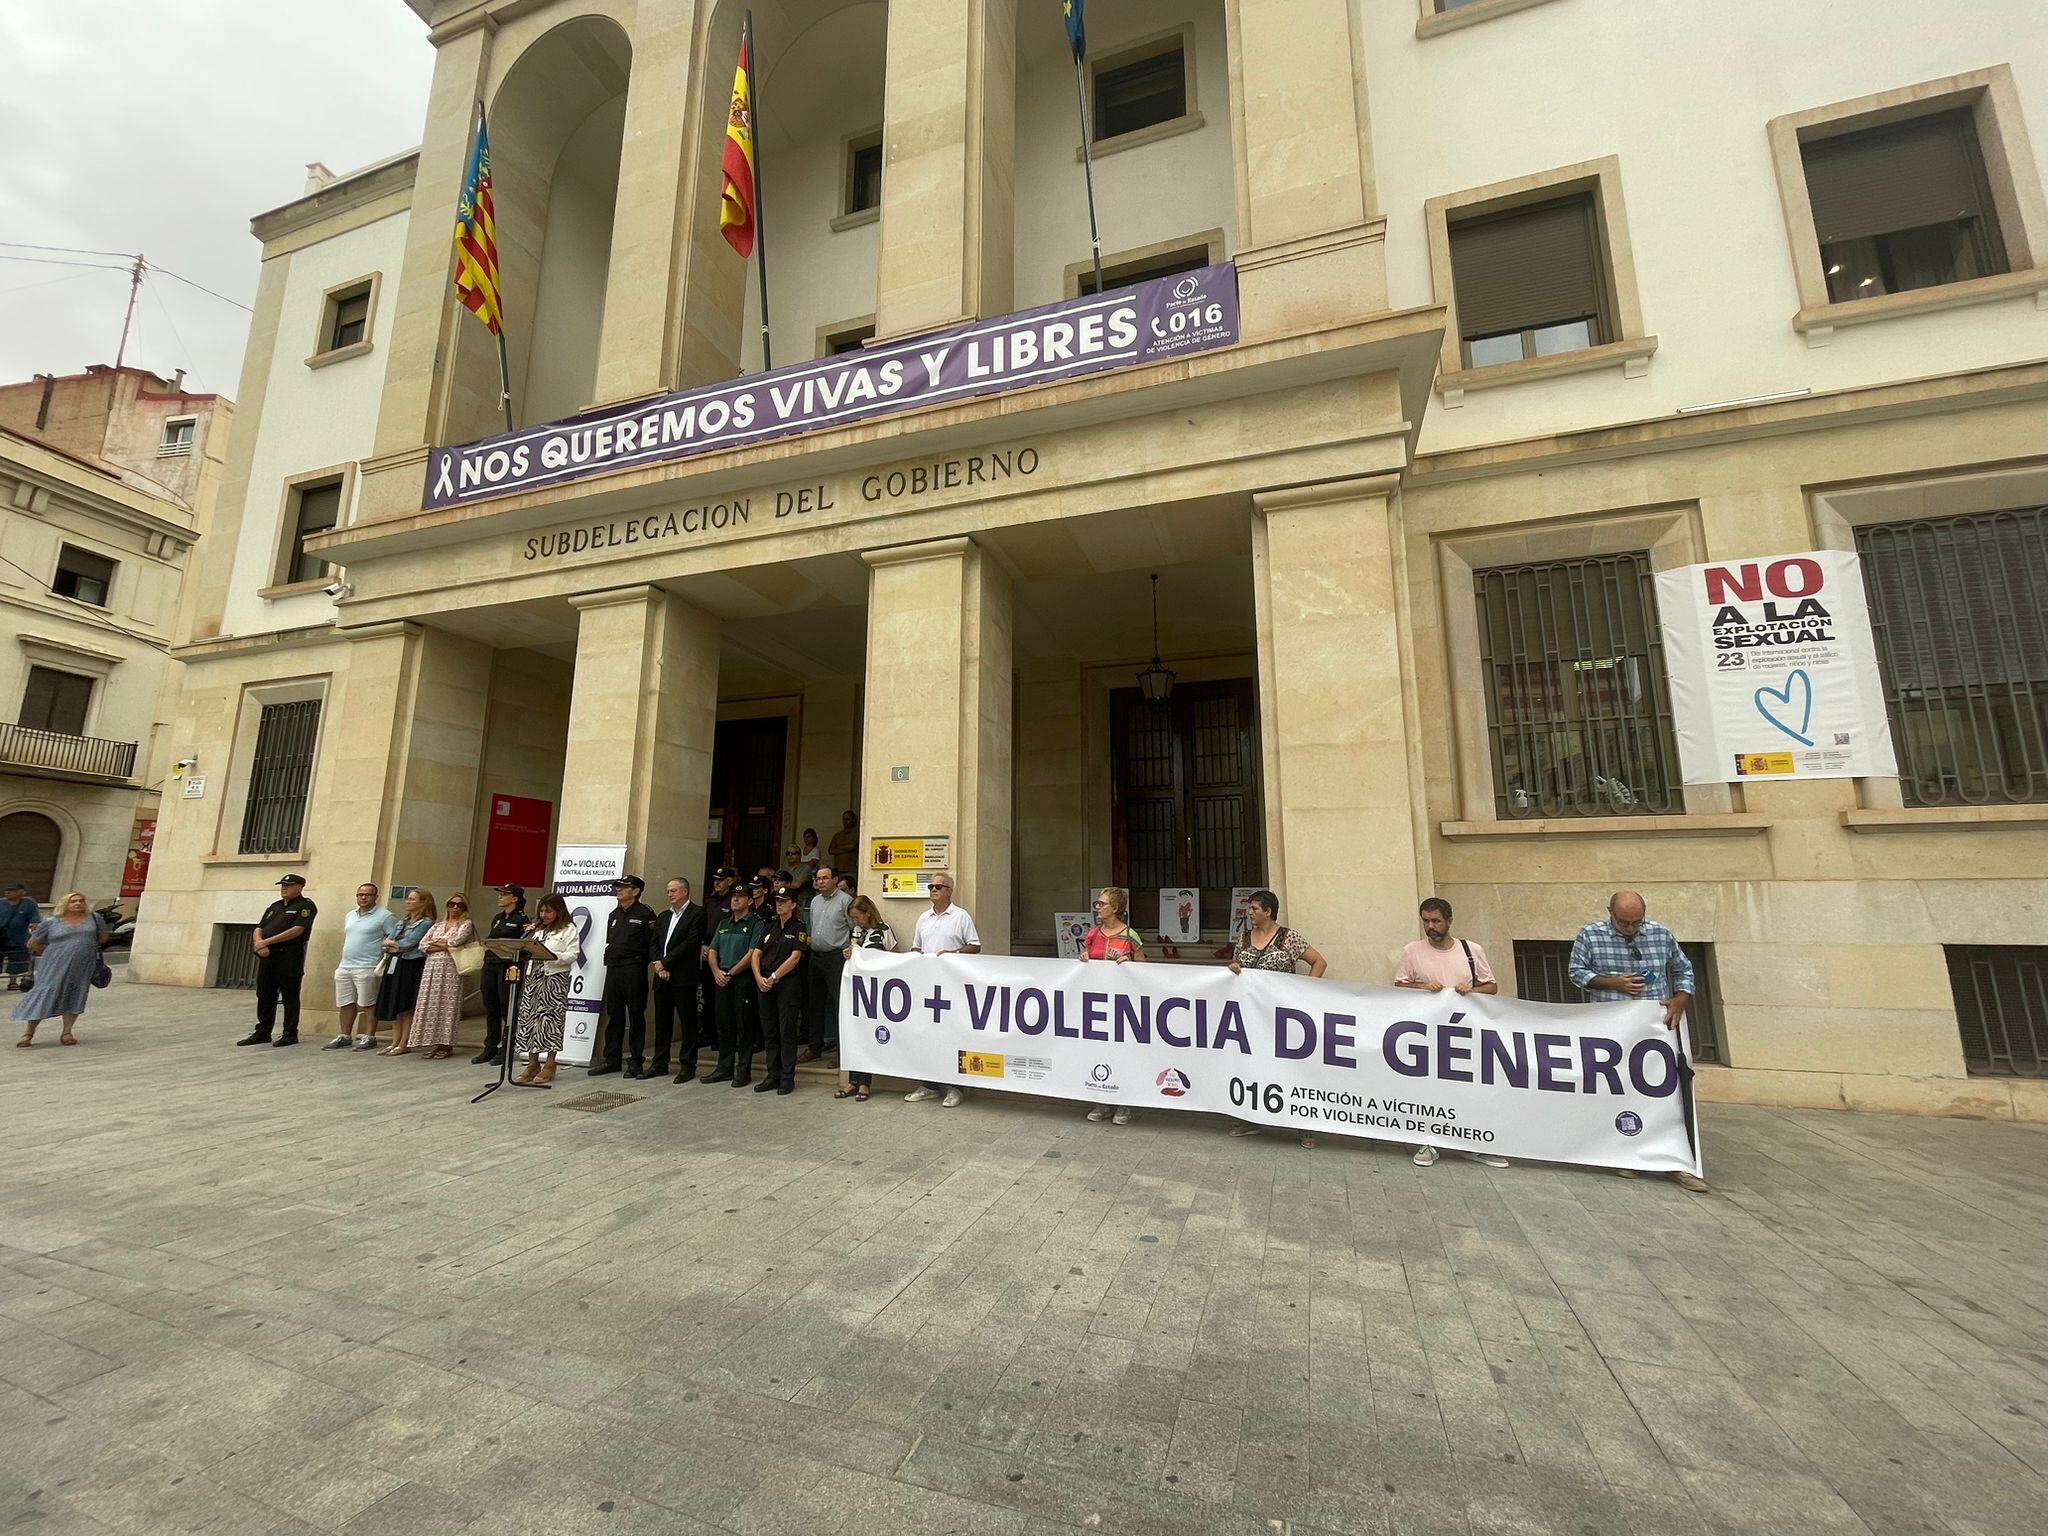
<point x="1124" y="328"/>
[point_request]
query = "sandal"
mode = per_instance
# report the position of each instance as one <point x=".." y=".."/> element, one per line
<point x="1244" y="1130"/>
<point x="849" y="1092"/>
<point x="441" y="1053"/>
<point x="67" y="1038"/>
<point x="28" y="1039"/>
<point x="1309" y="1142"/>
<point x="862" y="1096"/>
<point x="396" y="1050"/>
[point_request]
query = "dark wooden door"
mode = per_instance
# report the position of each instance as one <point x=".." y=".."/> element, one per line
<point x="746" y="794"/>
<point x="1185" y="797"/>
<point x="29" y="845"/>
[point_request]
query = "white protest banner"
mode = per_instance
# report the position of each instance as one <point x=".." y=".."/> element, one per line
<point x="1601" y="1083"/>
<point x="1773" y="672"/>
<point x="583" y="879"/>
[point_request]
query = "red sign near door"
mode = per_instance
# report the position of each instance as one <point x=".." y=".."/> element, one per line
<point x="516" y="845"/>
<point x="135" y="874"/>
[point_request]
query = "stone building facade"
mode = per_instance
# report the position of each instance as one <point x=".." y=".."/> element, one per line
<point x="1497" y="362"/>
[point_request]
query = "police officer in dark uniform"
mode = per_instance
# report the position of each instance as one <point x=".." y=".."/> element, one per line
<point x="510" y="923"/>
<point x="779" y="973"/>
<point x="729" y="955"/>
<point x="280" y="945"/>
<point x="628" y="951"/>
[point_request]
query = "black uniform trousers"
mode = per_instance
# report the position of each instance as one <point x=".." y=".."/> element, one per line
<point x="495" y="992"/>
<point x="625" y="1010"/>
<point x="675" y="1020"/>
<point x="821" y="991"/>
<point x="782" y="1026"/>
<point x="734" y="1009"/>
<point x="278" y="975"/>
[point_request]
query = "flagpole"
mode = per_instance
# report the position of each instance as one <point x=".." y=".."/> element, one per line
<point x="760" y="180"/>
<point x="504" y="366"/>
<point x="1088" y="169"/>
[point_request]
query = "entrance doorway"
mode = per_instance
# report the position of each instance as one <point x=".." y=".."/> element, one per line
<point x="32" y="842"/>
<point x="1185" y="802"/>
<point x="747" y="759"/>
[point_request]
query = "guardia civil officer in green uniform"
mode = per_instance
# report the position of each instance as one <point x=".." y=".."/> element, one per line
<point x="779" y="965"/>
<point x="280" y="945"/>
<point x="730" y="956"/>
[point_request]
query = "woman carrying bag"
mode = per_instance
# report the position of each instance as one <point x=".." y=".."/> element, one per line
<point x="69" y="967"/>
<point x="439" y="1005"/>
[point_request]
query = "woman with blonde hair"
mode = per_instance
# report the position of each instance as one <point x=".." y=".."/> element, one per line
<point x="1115" y="940"/>
<point x="69" y="944"/>
<point x="869" y="932"/>
<point x="439" y="1005"/>
<point x="404" y="961"/>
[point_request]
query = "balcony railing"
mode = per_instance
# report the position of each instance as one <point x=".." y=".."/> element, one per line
<point x="23" y="746"/>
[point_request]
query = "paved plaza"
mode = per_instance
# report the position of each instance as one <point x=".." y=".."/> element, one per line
<point x="293" y="1291"/>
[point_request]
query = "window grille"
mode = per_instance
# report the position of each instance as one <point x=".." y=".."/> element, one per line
<point x="1543" y="975"/>
<point x="280" y="777"/>
<point x="2001" y="996"/>
<point x="236" y="966"/>
<point x="1578" y="707"/>
<point x="1959" y="612"/>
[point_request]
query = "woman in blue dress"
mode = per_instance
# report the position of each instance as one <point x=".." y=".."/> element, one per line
<point x="69" y="944"/>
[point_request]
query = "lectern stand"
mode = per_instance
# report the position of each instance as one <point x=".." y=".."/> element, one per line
<point x="518" y="952"/>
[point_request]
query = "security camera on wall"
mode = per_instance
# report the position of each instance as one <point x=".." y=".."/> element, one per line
<point x="338" y="590"/>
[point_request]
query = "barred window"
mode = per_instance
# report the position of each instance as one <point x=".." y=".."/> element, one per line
<point x="1959" y="611"/>
<point x="1578" y="707"/>
<point x="2001" y="994"/>
<point x="280" y="777"/>
<point x="1543" y="974"/>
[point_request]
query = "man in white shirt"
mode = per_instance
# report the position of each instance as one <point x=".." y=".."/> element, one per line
<point x="1436" y="961"/>
<point x="945" y="930"/>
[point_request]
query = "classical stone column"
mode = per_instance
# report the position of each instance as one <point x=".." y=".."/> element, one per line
<point x="938" y="710"/>
<point x="1311" y="244"/>
<point x="642" y="712"/>
<point x="1347" y="849"/>
<point x="949" y="156"/>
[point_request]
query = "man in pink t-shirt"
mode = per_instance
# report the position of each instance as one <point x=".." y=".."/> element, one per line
<point x="1436" y="961"/>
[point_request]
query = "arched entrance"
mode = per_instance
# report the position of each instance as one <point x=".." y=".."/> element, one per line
<point x="29" y="846"/>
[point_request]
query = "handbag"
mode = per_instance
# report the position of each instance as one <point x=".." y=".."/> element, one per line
<point x="101" y="975"/>
<point x="468" y="958"/>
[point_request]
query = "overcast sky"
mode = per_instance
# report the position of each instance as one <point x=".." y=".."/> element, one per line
<point x="163" y="126"/>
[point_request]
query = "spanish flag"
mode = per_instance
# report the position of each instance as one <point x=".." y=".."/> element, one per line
<point x="736" y="198"/>
<point x="476" y="238"/>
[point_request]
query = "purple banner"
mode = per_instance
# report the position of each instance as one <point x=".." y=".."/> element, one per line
<point x="1189" y="312"/>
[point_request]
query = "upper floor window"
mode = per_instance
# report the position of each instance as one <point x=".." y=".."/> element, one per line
<point x="863" y="173"/>
<point x="316" y="508"/>
<point x="351" y="315"/>
<point x="56" y="701"/>
<point x="1903" y="205"/>
<point x="280" y="776"/>
<point x="346" y="314"/>
<point x="83" y="575"/>
<point x="177" y="438"/>
<point x="1530" y="281"/>
<point x="1141" y="89"/>
<point x="1142" y="269"/>
<point x="849" y="339"/>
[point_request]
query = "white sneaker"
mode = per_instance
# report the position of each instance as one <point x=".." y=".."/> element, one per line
<point x="919" y="1095"/>
<point x="953" y="1098"/>
<point x="1492" y="1160"/>
<point x="1425" y="1157"/>
<point x="1123" y="1116"/>
<point x="338" y="1043"/>
<point x="365" y="1042"/>
<point x="1099" y="1113"/>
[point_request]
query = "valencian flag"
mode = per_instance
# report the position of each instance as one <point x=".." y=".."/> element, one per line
<point x="476" y="238"/>
<point x="1077" y="27"/>
<point x="736" y="198"/>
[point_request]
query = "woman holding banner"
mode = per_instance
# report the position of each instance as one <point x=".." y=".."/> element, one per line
<point x="869" y="932"/>
<point x="1265" y="946"/>
<point x="1115" y="940"/>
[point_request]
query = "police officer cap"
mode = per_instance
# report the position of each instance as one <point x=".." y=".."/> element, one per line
<point x="633" y="880"/>
<point x="291" y="880"/>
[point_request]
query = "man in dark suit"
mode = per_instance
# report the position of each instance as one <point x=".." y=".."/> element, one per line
<point x="628" y="947"/>
<point x="678" y="948"/>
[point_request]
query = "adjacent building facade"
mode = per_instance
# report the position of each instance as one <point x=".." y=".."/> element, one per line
<point x="105" y="480"/>
<point x="1505" y="349"/>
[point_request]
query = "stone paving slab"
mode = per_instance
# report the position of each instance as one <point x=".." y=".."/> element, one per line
<point x="277" y="1292"/>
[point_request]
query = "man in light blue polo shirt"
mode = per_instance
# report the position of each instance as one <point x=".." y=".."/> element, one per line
<point x="363" y="933"/>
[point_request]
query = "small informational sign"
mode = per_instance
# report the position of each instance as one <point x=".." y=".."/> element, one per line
<point x="516" y="841"/>
<point x="908" y="852"/>
<point x="908" y="882"/>
<point x="1069" y="929"/>
<point x="1773" y="670"/>
<point x="1180" y="915"/>
<point x="1240" y="908"/>
<point x="195" y="787"/>
<point x="135" y="873"/>
<point x="584" y="873"/>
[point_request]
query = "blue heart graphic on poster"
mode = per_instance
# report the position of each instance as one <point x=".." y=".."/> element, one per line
<point x="1795" y="682"/>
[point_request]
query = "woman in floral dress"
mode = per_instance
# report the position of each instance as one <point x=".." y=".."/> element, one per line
<point x="439" y="1005"/>
<point x="1265" y="946"/>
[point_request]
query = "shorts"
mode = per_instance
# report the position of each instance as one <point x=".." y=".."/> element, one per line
<point x="355" y="988"/>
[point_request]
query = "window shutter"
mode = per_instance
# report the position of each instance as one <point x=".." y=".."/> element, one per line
<point x="1899" y="176"/>
<point x="319" y="507"/>
<point x="55" y="701"/>
<point x="1525" y="269"/>
<point x="1959" y="602"/>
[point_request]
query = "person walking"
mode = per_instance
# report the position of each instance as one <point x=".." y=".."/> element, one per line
<point x="866" y="931"/>
<point x="1263" y="945"/>
<point x="544" y="989"/>
<point x="678" y="948"/>
<point x="19" y="919"/>
<point x="509" y="922"/>
<point x="69" y="946"/>
<point x="831" y="930"/>
<point x="406" y="960"/>
<point x="280" y="945"/>
<point x="779" y="974"/>
<point x="1115" y="940"/>
<point x="1437" y="961"/>
<point x="944" y="930"/>
<point x="1625" y="955"/>
<point x="628" y="950"/>
<point x="363" y="933"/>
<point x="730" y="956"/>
<point x="438" y="1008"/>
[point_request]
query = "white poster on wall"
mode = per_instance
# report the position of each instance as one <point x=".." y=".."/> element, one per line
<point x="1773" y="671"/>
<point x="584" y="873"/>
<point x="1180" y="915"/>
<point x="1068" y="930"/>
